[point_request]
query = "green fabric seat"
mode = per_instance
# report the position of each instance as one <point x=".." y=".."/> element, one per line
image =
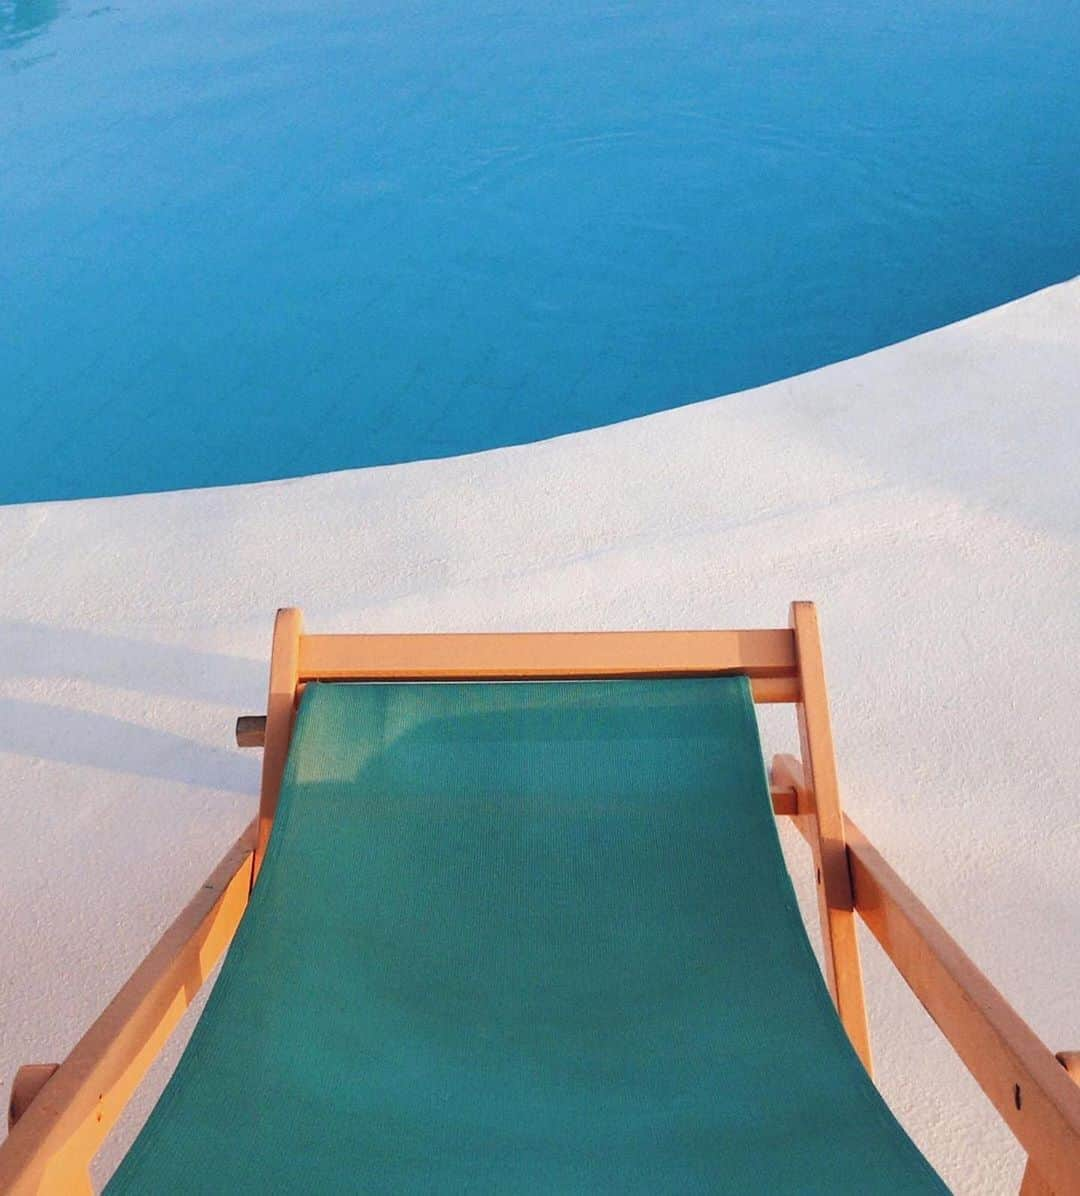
<point x="523" y="938"/>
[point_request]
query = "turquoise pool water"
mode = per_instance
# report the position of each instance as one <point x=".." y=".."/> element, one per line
<point x="248" y="240"/>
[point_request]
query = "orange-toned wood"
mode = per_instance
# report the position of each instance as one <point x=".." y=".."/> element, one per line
<point x="923" y="952"/>
<point x="280" y="711"/>
<point x="785" y="801"/>
<point x="50" y="1147"/>
<point x="766" y="657"/>
<point x="1033" y="1183"/>
<point x="29" y="1081"/>
<point x="1029" y="1088"/>
<point x="786" y="773"/>
<point x="821" y="795"/>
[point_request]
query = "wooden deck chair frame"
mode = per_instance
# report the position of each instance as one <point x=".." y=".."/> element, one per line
<point x="61" y="1115"/>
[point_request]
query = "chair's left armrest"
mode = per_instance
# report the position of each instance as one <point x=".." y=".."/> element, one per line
<point x="64" y="1114"/>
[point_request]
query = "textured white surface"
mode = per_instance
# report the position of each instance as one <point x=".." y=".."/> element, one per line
<point x="924" y="495"/>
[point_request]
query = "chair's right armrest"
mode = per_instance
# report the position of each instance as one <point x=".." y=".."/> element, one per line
<point x="1015" y="1070"/>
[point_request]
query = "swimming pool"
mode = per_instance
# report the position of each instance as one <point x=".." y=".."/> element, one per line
<point x="246" y="241"/>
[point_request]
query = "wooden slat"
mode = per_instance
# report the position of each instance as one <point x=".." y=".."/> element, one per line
<point x="764" y="656"/>
<point x="843" y="969"/>
<point x="1029" y="1088"/>
<point x="280" y="710"/>
<point x="51" y="1145"/>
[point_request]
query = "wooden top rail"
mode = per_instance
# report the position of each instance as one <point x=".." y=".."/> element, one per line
<point x="766" y="657"/>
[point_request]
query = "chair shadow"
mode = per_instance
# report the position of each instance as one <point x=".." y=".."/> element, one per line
<point x="82" y="738"/>
<point x="175" y="670"/>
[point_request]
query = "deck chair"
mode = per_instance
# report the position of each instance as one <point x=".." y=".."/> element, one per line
<point x="514" y="918"/>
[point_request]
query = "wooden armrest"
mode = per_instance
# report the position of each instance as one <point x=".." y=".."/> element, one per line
<point x="1023" y="1080"/>
<point x="55" y="1137"/>
<point x="1025" y="1083"/>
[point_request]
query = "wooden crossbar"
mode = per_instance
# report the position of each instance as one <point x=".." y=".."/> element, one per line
<point x="766" y="657"/>
<point x="1031" y="1091"/>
